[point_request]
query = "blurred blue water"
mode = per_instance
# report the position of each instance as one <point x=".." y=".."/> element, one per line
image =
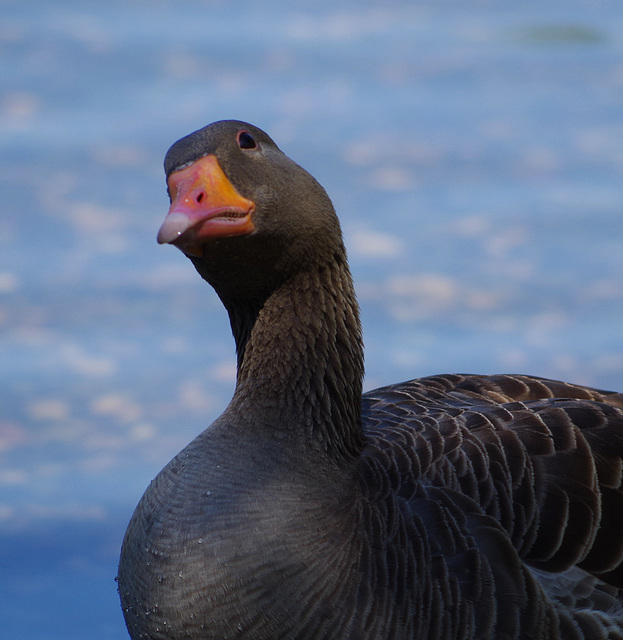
<point x="472" y="150"/>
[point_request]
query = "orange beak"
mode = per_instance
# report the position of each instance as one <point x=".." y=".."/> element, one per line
<point x="204" y="205"/>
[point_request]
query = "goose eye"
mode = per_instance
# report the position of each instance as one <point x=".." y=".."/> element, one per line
<point x="246" y="140"/>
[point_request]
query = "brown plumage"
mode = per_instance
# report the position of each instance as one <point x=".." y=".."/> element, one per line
<point x="454" y="507"/>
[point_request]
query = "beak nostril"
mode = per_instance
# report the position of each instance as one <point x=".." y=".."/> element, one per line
<point x="199" y="197"/>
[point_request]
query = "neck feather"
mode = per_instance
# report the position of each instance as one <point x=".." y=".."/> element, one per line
<point x="301" y="360"/>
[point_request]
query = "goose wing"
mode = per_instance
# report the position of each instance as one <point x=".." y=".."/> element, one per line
<point x="545" y="458"/>
<point x="516" y="483"/>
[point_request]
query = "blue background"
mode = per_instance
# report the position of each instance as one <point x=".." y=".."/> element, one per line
<point x="474" y="153"/>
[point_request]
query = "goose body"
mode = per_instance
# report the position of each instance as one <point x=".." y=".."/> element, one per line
<point x="454" y="507"/>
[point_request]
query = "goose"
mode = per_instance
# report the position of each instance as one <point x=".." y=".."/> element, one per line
<point x="450" y="507"/>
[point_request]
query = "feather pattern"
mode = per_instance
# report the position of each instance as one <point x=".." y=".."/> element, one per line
<point x="516" y="481"/>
